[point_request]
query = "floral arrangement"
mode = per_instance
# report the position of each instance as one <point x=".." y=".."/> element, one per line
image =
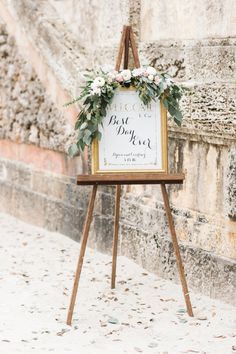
<point x="100" y="88"/>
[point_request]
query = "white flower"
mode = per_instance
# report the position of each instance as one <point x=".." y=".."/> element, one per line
<point x="137" y="72"/>
<point x="96" y="91"/>
<point x="119" y="78"/>
<point x="126" y="74"/>
<point x="93" y="86"/>
<point x="111" y="76"/>
<point x="150" y="77"/>
<point x="151" y="71"/>
<point x="167" y="83"/>
<point x="157" y="80"/>
<point x="99" y="82"/>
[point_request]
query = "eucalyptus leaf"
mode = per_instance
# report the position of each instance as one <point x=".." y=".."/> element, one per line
<point x="98" y="135"/>
<point x="73" y="150"/>
<point x="165" y="102"/>
<point x="83" y="126"/>
<point x="95" y="105"/>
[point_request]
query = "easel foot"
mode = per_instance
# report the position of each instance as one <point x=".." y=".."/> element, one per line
<point x="115" y="237"/>
<point x="176" y="249"/>
<point x="82" y="252"/>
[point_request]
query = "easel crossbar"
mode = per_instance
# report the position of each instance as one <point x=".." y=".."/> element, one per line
<point x="130" y="178"/>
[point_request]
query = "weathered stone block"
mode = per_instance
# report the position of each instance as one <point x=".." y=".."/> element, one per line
<point x="166" y="57"/>
<point x="231" y="186"/>
<point x="187" y="19"/>
<point x="78" y="14"/>
<point x="144" y="235"/>
<point x="210" y="62"/>
<point x="26" y="113"/>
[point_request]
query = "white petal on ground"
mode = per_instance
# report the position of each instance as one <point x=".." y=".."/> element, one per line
<point x="143" y="314"/>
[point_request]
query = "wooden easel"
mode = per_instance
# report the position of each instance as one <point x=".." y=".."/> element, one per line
<point x="127" y="40"/>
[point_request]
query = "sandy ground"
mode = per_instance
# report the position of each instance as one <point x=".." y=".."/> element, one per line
<point x="145" y="314"/>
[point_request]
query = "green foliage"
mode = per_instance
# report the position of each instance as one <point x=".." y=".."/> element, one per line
<point x="96" y="99"/>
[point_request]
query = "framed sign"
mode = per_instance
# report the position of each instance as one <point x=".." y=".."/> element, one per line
<point x="134" y="136"/>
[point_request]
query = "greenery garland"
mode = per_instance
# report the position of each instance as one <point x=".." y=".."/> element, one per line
<point x="100" y="88"/>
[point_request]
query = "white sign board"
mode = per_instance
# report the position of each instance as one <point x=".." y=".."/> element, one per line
<point x="133" y="136"/>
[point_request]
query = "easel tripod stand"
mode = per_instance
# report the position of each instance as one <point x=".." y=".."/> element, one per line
<point x="127" y="40"/>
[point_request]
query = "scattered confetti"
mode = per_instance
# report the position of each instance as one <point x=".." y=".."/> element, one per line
<point x="144" y="314"/>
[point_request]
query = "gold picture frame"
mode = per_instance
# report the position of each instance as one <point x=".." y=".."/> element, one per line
<point x="96" y="169"/>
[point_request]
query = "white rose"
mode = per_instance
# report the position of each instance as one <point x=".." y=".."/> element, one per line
<point x="164" y="85"/>
<point x="93" y="86"/>
<point x="119" y="78"/>
<point x="126" y="74"/>
<point x="112" y="75"/>
<point x="151" y="71"/>
<point x="137" y="72"/>
<point x="99" y="82"/>
<point x="157" y="80"/>
<point x="96" y="91"/>
<point x="150" y="77"/>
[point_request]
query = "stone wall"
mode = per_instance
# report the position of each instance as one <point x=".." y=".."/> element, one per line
<point x="27" y="115"/>
<point x="41" y="68"/>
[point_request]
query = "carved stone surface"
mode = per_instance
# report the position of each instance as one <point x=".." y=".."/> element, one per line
<point x="56" y="203"/>
<point x="27" y="114"/>
<point x="231" y="186"/>
<point x="187" y="19"/>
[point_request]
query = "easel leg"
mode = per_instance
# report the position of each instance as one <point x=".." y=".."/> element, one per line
<point x="82" y="252"/>
<point x="115" y="236"/>
<point x="176" y="249"/>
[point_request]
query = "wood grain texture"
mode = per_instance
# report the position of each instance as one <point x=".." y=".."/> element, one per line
<point x="126" y="49"/>
<point x="130" y="178"/>
<point x="121" y="49"/>
<point x="134" y="49"/>
<point x="115" y="236"/>
<point x="87" y="224"/>
<point x="176" y="249"/>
